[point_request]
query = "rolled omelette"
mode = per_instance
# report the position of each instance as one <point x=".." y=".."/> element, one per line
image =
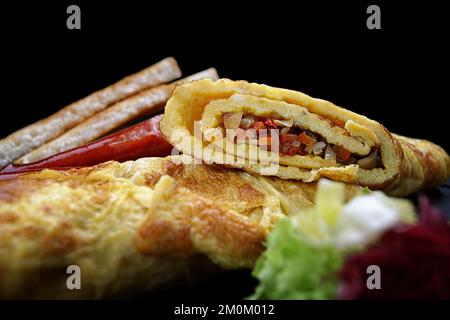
<point x="136" y="226"/>
<point x="285" y="133"/>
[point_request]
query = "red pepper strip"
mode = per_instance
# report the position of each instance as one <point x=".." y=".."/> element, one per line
<point x="287" y="137"/>
<point x="306" y="140"/>
<point x="141" y="140"/>
<point x="342" y="153"/>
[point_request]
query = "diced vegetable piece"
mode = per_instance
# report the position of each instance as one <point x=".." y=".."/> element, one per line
<point x="270" y="123"/>
<point x="285" y="138"/>
<point x="369" y="162"/>
<point x="285" y="149"/>
<point x="306" y="140"/>
<point x="284" y="130"/>
<point x="232" y="120"/>
<point x="284" y="123"/>
<point x="318" y="147"/>
<point x="329" y="154"/>
<point x="259" y="125"/>
<point x="247" y="121"/>
<point x="308" y="149"/>
<point x="342" y="153"/>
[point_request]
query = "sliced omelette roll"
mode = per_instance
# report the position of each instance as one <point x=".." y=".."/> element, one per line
<point x="280" y="132"/>
<point x="136" y="226"/>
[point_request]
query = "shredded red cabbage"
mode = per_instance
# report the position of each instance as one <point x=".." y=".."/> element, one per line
<point x="414" y="261"/>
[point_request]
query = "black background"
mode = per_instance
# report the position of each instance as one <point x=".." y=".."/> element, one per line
<point x="396" y="75"/>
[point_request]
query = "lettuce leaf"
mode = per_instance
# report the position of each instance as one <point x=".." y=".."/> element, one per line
<point x="292" y="268"/>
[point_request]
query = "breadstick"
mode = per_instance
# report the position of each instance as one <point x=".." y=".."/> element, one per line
<point x="26" y="139"/>
<point x="146" y="102"/>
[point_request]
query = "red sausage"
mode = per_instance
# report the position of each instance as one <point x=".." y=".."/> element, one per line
<point x="141" y="140"/>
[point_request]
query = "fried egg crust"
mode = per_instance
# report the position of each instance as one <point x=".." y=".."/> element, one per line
<point x="136" y="226"/>
<point x="408" y="165"/>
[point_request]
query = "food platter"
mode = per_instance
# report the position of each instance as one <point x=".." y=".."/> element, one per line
<point x="175" y="176"/>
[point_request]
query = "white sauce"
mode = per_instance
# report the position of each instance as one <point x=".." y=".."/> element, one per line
<point x="364" y="218"/>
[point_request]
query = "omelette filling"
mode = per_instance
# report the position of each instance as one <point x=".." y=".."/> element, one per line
<point x="293" y="139"/>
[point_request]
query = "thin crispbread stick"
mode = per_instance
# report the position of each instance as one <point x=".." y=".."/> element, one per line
<point x="26" y="139"/>
<point x="148" y="101"/>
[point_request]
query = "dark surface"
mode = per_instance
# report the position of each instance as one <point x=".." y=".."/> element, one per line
<point x="396" y="75"/>
<point x="233" y="284"/>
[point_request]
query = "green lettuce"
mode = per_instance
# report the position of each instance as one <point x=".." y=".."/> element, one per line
<point x="306" y="251"/>
<point x="292" y="268"/>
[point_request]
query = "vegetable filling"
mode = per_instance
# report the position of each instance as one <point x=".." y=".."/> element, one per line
<point x="293" y="140"/>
